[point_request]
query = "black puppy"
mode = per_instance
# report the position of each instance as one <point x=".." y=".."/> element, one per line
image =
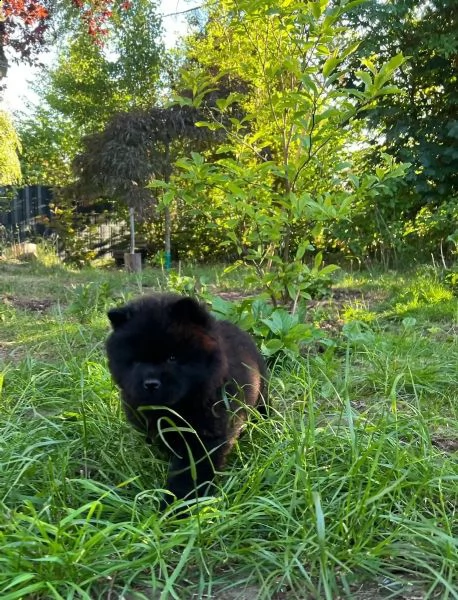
<point x="185" y="378"/>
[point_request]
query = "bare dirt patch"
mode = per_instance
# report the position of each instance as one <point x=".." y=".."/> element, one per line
<point x="234" y="296"/>
<point x="9" y="353"/>
<point x="339" y="298"/>
<point x="30" y="304"/>
<point x="446" y="444"/>
<point x="375" y="590"/>
<point x="369" y="591"/>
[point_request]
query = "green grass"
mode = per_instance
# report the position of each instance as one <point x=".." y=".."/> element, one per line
<point x="348" y="484"/>
<point x="46" y="279"/>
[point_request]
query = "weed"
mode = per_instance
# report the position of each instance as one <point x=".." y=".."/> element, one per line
<point x="276" y="330"/>
<point x="88" y="299"/>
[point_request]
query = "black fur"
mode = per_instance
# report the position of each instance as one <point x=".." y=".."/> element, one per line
<point x="177" y="367"/>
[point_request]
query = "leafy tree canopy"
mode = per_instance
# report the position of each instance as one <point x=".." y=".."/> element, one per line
<point x="421" y="125"/>
<point x="89" y="84"/>
<point x="10" y="170"/>
<point x="24" y="24"/>
<point x="284" y="168"/>
<point x="133" y="149"/>
<point x="48" y="146"/>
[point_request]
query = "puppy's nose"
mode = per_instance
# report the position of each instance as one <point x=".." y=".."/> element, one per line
<point x="151" y="383"/>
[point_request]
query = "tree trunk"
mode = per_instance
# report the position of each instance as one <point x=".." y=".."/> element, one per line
<point x="132" y="260"/>
<point x="168" y="227"/>
<point x="132" y="229"/>
<point x="167" y="215"/>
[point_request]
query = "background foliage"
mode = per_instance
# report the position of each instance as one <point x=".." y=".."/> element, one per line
<point x="88" y="84"/>
<point x="10" y="168"/>
<point x="308" y="117"/>
<point x="419" y="126"/>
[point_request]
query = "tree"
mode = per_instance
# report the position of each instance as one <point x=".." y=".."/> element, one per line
<point x="88" y="85"/>
<point x="25" y="23"/>
<point x="22" y="27"/>
<point x="284" y="169"/>
<point x="91" y="83"/>
<point x="48" y="147"/>
<point x="132" y="150"/>
<point x="10" y="170"/>
<point x="419" y="126"/>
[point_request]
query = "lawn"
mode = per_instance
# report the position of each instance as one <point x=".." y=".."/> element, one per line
<point x="349" y="489"/>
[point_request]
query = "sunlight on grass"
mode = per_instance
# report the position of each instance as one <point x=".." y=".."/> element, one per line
<point x="358" y="313"/>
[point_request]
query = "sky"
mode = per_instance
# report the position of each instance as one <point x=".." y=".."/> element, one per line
<point x="18" y="89"/>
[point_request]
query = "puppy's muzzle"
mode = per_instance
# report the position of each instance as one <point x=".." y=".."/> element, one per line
<point x="151" y="384"/>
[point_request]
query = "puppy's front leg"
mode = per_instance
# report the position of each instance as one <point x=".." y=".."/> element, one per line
<point x="193" y="473"/>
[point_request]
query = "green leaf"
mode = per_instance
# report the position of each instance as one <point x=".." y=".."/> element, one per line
<point x="328" y="269"/>
<point x="349" y="5"/>
<point x="271" y="347"/>
<point x="318" y="260"/>
<point x="352" y="47"/>
<point x="330" y="64"/>
<point x="236" y="190"/>
<point x="370" y="65"/>
<point x="354" y="180"/>
<point x="158" y="183"/>
<point x="390" y="89"/>
<point x="301" y="250"/>
<point x="395" y="62"/>
<point x="409" y="323"/>
<point x="365" y="77"/>
<point x="316" y="9"/>
<point x="292" y="290"/>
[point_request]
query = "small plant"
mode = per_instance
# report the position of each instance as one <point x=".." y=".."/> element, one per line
<point x="5" y="239"/>
<point x="185" y="284"/>
<point x="450" y="276"/>
<point x="358" y="333"/>
<point x="74" y="234"/>
<point x="276" y="329"/>
<point x="6" y="311"/>
<point x="288" y="282"/>
<point x="91" y="298"/>
<point x="47" y="252"/>
<point x="427" y="290"/>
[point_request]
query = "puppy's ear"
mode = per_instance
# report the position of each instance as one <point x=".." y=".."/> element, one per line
<point x="119" y="316"/>
<point x="188" y="310"/>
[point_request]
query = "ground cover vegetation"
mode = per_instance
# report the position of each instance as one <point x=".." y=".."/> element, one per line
<point x="347" y="489"/>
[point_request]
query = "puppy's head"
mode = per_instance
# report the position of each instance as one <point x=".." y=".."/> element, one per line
<point x="161" y="349"/>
